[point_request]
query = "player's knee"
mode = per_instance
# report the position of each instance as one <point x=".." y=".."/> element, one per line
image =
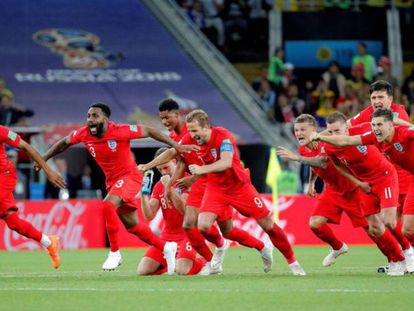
<point x="141" y="271"/>
<point x="188" y="224"/>
<point x="314" y="223"/>
<point x="390" y="223"/>
<point x="407" y="231"/>
<point x="376" y="230"/>
<point x="203" y="228"/>
<point x="266" y="223"/>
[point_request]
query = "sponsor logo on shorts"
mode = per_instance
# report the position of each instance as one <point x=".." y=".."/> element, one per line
<point x="398" y="147"/>
<point x="362" y="148"/>
<point x="112" y="145"/>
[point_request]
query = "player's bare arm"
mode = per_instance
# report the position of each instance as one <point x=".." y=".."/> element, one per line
<point x="186" y="182"/>
<point x="163" y="158"/>
<point x="149" y="207"/>
<point x="320" y="161"/>
<point x="177" y="200"/>
<point x="57" y="148"/>
<point x="360" y="184"/>
<point x="178" y="173"/>
<point x="147" y="131"/>
<point x="399" y="121"/>
<point x="311" y="187"/>
<point x="338" y="140"/>
<point x="225" y="162"/>
<point x="54" y="177"/>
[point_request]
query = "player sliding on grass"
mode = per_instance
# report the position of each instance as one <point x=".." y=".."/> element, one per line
<point x="109" y="145"/>
<point x="397" y="143"/>
<point x="8" y="181"/>
<point x="341" y="195"/>
<point x="153" y="262"/>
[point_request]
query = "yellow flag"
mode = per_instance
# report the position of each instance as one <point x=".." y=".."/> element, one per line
<point x="273" y="171"/>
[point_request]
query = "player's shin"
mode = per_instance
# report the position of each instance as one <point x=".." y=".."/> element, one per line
<point x="143" y="232"/>
<point x="325" y="233"/>
<point x="244" y="238"/>
<point x="213" y="235"/>
<point x="112" y="224"/>
<point x="198" y="243"/>
<point x="280" y="241"/>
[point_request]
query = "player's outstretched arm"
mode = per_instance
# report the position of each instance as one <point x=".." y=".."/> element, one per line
<point x="161" y="159"/>
<point x="320" y="161"/>
<point x="54" y="177"/>
<point x="57" y="148"/>
<point x="338" y="140"/>
<point x="147" y="131"/>
<point x="399" y="121"/>
<point x="225" y="162"/>
<point x="311" y="186"/>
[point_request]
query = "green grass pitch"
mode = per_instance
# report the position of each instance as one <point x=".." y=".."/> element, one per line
<point x="27" y="282"/>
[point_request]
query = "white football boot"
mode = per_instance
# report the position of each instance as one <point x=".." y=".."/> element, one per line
<point x="330" y="259"/>
<point x="170" y="250"/>
<point x="113" y="261"/>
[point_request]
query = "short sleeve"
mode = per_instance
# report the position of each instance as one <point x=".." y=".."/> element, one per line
<point x="76" y="136"/>
<point x="226" y="142"/>
<point x="9" y="137"/>
<point x="401" y="113"/>
<point x="406" y="133"/>
<point x="368" y="138"/>
<point x="135" y="131"/>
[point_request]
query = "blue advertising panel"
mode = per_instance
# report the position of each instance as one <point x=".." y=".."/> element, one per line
<point x="318" y="54"/>
<point x="58" y="57"/>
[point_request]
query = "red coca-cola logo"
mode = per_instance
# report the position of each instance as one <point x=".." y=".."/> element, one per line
<point x="61" y="219"/>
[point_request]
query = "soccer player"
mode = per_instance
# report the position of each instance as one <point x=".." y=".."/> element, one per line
<point x="109" y="145"/>
<point x="397" y="143"/>
<point x="8" y="181"/>
<point x="198" y="185"/>
<point x="340" y="194"/>
<point x="368" y="164"/>
<point x="229" y="185"/>
<point x="153" y="261"/>
<point x="381" y="96"/>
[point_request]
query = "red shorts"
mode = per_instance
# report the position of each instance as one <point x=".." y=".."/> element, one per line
<point x="8" y="181"/>
<point x="408" y="208"/>
<point x="184" y="250"/>
<point x="127" y="188"/>
<point x="331" y="205"/>
<point x="195" y="196"/>
<point x="246" y="200"/>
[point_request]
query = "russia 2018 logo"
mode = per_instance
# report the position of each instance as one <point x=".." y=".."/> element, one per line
<point x="80" y="49"/>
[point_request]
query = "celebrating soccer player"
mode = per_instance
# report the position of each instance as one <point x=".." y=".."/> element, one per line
<point x="109" y="145"/>
<point x="8" y="181"/>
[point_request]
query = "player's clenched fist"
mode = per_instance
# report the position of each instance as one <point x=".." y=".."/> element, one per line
<point x="314" y="136"/>
<point x="196" y="169"/>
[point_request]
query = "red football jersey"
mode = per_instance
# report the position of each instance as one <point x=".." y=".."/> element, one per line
<point x="178" y="137"/>
<point x="10" y="138"/>
<point x="366" y="163"/>
<point x="330" y="175"/>
<point x="400" y="150"/>
<point x="365" y="115"/>
<point x="221" y="140"/>
<point x="173" y="220"/>
<point x="112" y="152"/>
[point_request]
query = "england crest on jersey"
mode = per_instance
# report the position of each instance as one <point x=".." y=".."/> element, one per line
<point x="362" y="148"/>
<point x="112" y="144"/>
<point x="398" y="147"/>
<point x="213" y="153"/>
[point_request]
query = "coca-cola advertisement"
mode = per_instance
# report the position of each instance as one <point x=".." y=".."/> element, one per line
<point x="78" y="223"/>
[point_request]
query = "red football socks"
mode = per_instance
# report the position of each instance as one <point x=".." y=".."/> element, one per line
<point x="280" y="241"/>
<point x="326" y="234"/>
<point x="391" y="246"/>
<point x="143" y="232"/>
<point x="198" y="264"/>
<point x="213" y="235"/>
<point x="410" y="237"/>
<point x="381" y="246"/>
<point x="22" y="227"/>
<point x="244" y="238"/>
<point x="402" y="240"/>
<point x="198" y="243"/>
<point x="112" y="225"/>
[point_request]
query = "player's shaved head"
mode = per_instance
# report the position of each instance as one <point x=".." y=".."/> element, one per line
<point x="105" y="109"/>
<point x="384" y="113"/>
<point x="381" y="85"/>
<point x="336" y="117"/>
<point x="168" y="104"/>
<point x="306" y="118"/>
<point x="198" y="115"/>
<point x="160" y="151"/>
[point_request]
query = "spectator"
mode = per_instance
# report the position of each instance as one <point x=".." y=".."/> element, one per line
<point x="288" y="77"/>
<point x="384" y="71"/>
<point x="86" y="178"/>
<point x="235" y="19"/>
<point x="3" y="87"/>
<point x="358" y="76"/>
<point x="52" y="192"/>
<point x="212" y="10"/>
<point x="258" y="22"/>
<point x="268" y="99"/>
<point x="322" y="98"/>
<point x="196" y="14"/>
<point x="335" y="80"/>
<point x="11" y="114"/>
<point x="348" y="104"/>
<point x="277" y="67"/>
<point x="367" y="60"/>
<point x="297" y="103"/>
<point x="284" y="112"/>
